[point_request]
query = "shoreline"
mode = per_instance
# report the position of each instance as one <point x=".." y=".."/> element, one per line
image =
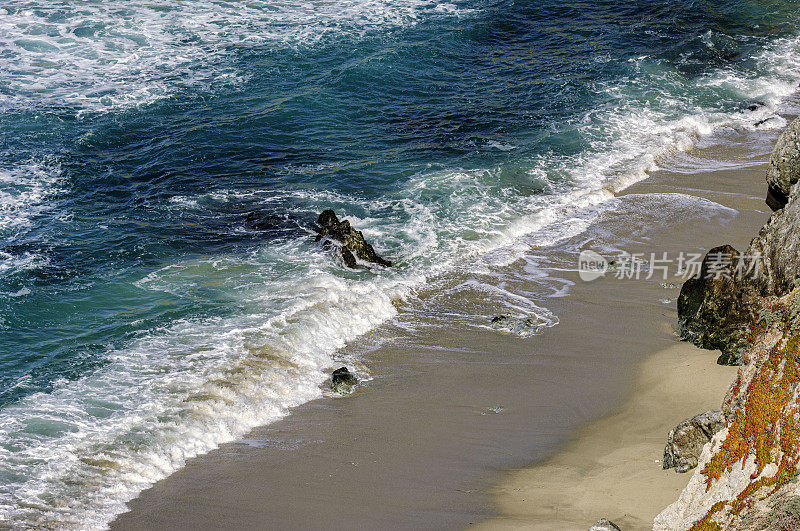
<point x="178" y="305"/>
<point x="418" y="445"/>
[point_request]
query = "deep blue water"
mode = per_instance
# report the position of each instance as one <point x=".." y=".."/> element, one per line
<point x="161" y="169"/>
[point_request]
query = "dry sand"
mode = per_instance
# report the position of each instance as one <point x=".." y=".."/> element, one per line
<point x="613" y="467"/>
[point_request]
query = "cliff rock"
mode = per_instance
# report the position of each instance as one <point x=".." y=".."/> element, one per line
<point x="784" y="167"/>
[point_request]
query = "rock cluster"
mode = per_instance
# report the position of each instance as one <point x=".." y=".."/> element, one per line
<point x="752" y="463"/>
<point x="351" y="242"/>
<point x="747" y="475"/>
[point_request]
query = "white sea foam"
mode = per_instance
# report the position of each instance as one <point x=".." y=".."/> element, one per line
<point x="96" y="56"/>
<point x="27" y="190"/>
<point x="75" y="455"/>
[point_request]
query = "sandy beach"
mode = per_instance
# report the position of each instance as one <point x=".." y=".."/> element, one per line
<point x="613" y="467"/>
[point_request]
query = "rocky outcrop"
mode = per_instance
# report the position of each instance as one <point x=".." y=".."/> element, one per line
<point x="343" y="381"/>
<point x="351" y="242"/>
<point x="604" y="524"/>
<point x="784" y="167"/>
<point x="777" y="248"/>
<point x="716" y="309"/>
<point x="717" y="306"/>
<point x="747" y="475"/>
<point x="685" y="441"/>
<point x="754" y="461"/>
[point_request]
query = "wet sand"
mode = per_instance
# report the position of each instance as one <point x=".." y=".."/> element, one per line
<point x="452" y="411"/>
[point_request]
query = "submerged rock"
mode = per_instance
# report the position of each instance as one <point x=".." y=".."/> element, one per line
<point x="343" y="381"/>
<point x="521" y="326"/>
<point x="352" y="241"/>
<point x="784" y="167"/>
<point x="275" y="224"/>
<point x="604" y="524"/>
<point x="685" y="441"/>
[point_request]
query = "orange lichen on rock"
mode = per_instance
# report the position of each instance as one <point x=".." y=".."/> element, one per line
<point x="705" y="523"/>
<point x="764" y="422"/>
<point x="755" y="428"/>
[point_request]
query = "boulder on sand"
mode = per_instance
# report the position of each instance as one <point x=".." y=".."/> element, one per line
<point x="686" y="440"/>
<point x="716" y="308"/>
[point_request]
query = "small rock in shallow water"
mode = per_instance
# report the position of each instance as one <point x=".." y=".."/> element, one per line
<point x="521" y="326"/>
<point x="343" y="381"/>
<point x="604" y="524"/>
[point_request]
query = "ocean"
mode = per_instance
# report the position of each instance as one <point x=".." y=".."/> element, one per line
<point x="162" y="166"/>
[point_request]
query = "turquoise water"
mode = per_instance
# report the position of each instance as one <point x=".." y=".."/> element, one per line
<point x="161" y="167"/>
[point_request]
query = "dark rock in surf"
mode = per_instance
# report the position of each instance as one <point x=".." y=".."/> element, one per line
<point x="348" y="258"/>
<point x="604" y="524"/>
<point x="352" y="241"/>
<point x="686" y="440"/>
<point x="343" y="381"/>
<point x="520" y="326"/>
